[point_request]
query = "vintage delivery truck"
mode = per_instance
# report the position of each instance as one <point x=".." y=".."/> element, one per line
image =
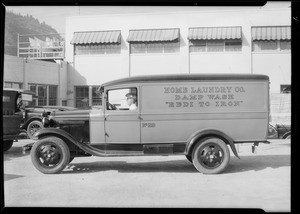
<point x="196" y="115"/>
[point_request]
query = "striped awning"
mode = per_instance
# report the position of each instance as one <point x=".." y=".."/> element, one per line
<point x="210" y="33"/>
<point x="271" y="33"/>
<point x="154" y="35"/>
<point x="94" y="37"/>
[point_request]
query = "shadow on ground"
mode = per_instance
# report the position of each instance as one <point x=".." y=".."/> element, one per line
<point x="8" y="177"/>
<point x="14" y="152"/>
<point x="246" y="163"/>
<point x="258" y="162"/>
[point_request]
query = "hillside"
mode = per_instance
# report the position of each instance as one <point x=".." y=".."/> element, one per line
<point x="17" y="24"/>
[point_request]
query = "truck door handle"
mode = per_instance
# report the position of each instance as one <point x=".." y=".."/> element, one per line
<point x="106" y="134"/>
<point x="139" y="117"/>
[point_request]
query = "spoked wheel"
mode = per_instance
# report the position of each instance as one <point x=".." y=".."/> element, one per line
<point x="211" y="156"/>
<point x="33" y="127"/>
<point x="50" y="155"/>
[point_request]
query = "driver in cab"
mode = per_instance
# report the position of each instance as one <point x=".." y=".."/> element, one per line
<point x="131" y="101"/>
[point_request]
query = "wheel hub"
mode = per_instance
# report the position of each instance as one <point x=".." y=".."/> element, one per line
<point x="49" y="155"/>
<point x="211" y="156"/>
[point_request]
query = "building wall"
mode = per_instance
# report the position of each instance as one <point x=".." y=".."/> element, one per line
<point x="13" y="69"/>
<point x="42" y="72"/>
<point x="97" y="65"/>
<point x="97" y="69"/>
<point x="26" y="71"/>
<point x="276" y="65"/>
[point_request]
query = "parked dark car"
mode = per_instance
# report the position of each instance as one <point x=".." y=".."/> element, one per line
<point x="279" y="131"/>
<point x="13" y="103"/>
<point x="32" y="117"/>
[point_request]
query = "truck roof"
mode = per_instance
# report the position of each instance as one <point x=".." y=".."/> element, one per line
<point x="188" y="78"/>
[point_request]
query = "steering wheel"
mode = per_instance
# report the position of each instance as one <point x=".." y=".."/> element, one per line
<point x="111" y="106"/>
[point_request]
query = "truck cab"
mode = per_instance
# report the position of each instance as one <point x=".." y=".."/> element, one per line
<point x="200" y="116"/>
<point x="13" y="103"/>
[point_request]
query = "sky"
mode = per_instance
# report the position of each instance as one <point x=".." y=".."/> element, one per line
<point x="55" y="16"/>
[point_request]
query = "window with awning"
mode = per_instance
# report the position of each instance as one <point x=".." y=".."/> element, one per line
<point x="215" y="39"/>
<point x="154" y="41"/>
<point x="154" y="35"/>
<point x="271" y="38"/>
<point x="271" y="33"/>
<point x="97" y="42"/>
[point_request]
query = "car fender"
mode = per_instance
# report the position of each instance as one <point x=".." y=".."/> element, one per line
<point x="209" y="133"/>
<point x="24" y="126"/>
<point x="66" y="137"/>
<point x="286" y="134"/>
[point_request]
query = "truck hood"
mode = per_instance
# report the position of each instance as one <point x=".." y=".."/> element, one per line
<point x="71" y="115"/>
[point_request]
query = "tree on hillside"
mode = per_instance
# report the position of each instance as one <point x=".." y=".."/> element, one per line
<point x="17" y="24"/>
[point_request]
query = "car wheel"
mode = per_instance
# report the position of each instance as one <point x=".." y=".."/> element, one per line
<point x="7" y="145"/>
<point x="189" y="158"/>
<point x="33" y="127"/>
<point x="211" y="155"/>
<point x="50" y="155"/>
<point x="287" y="136"/>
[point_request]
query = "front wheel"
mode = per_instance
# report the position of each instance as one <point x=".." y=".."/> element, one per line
<point x="189" y="158"/>
<point x="211" y="155"/>
<point x="50" y="155"/>
<point x="33" y="127"/>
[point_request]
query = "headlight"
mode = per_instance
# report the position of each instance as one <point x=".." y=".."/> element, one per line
<point x="45" y="121"/>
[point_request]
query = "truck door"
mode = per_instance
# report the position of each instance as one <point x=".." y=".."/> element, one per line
<point x="122" y="118"/>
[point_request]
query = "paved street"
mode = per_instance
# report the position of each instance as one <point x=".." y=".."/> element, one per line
<point x="260" y="180"/>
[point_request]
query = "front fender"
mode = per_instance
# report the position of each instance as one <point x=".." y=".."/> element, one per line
<point x="209" y="132"/>
<point x="65" y="136"/>
<point x="24" y="126"/>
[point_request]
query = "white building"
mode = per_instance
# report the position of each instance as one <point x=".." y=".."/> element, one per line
<point x="249" y="40"/>
<point x="185" y="40"/>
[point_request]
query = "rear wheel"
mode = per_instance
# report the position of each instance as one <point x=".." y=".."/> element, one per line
<point x="211" y="155"/>
<point x="7" y="145"/>
<point x="50" y="155"/>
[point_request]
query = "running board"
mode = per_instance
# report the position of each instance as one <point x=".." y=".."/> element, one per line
<point x="136" y="150"/>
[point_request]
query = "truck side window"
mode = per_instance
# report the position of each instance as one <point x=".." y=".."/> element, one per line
<point x="122" y="99"/>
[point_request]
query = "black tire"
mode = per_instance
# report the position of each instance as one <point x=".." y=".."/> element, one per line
<point x="189" y="158"/>
<point x="7" y="145"/>
<point x="211" y="155"/>
<point x="32" y="127"/>
<point x="287" y="135"/>
<point x="50" y="155"/>
<point x="71" y="159"/>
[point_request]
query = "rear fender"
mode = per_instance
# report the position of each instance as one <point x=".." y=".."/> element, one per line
<point x="66" y="137"/>
<point x="192" y="141"/>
